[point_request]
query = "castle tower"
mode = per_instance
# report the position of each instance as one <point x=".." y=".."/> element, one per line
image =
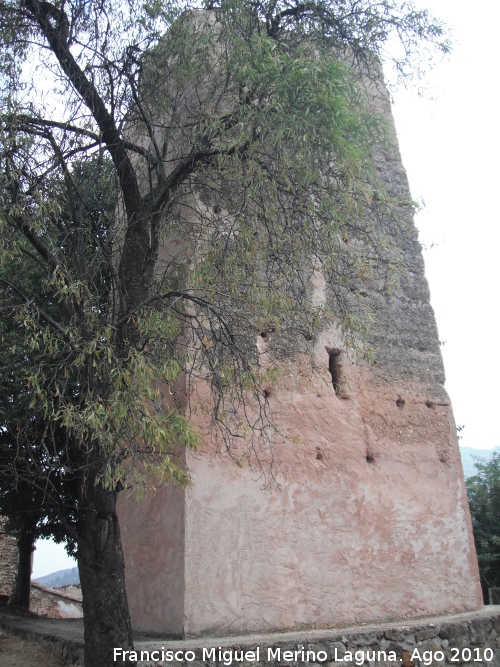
<point x="370" y="517"/>
<point x="367" y="519"/>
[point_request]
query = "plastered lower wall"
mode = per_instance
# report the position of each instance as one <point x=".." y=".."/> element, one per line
<point x="367" y="519"/>
<point x="370" y="520"/>
<point x="153" y="541"/>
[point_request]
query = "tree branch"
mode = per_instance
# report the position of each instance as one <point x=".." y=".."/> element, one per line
<point x="42" y="312"/>
<point x="56" y="36"/>
<point x="13" y="119"/>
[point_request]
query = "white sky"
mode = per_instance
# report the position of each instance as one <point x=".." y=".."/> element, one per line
<point x="451" y="147"/>
<point x="50" y="557"/>
<point x="450" y="143"/>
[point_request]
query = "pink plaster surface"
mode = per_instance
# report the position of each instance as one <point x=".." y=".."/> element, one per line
<point x="153" y="543"/>
<point x="368" y="521"/>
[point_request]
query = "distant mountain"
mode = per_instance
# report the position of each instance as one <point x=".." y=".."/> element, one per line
<point x="468" y="455"/>
<point x="60" y="578"/>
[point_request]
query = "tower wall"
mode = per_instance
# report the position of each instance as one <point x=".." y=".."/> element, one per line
<point x="367" y="517"/>
<point x="153" y="537"/>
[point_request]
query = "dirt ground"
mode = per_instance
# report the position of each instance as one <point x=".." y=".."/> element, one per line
<point x="17" y="652"/>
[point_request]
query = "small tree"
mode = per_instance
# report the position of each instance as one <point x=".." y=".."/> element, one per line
<point x="36" y="496"/>
<point x="483" y="493"/>
<point x="238" y="141"/>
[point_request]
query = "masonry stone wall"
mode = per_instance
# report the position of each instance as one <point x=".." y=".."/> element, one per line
<point x="468" y="639"/>
<point x="8" y="560"/>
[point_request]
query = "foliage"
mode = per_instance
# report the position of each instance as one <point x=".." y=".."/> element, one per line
<point x="253" y="118"/>
<point x="483" y="493"/>
<point x="38" y="498"/>
<point x="24" y="456"/>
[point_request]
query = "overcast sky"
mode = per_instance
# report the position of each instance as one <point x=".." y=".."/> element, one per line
<point x="450" y="144"/>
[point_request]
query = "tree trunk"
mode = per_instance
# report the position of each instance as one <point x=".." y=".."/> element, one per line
<point x="25" y="544"/>
<point x="106" y="616"/>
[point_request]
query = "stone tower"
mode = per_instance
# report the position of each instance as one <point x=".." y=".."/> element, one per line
<point x="370" y="520"/>
<point x="369" y="517"/>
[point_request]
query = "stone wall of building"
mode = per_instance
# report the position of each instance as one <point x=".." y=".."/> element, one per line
<point x="62" y="602"/>
<point x="8" y="561"/>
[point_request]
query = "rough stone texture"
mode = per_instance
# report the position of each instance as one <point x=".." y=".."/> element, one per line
<point x="369" y="519"/>
<point x="64" y="602"/>
<point x="328" y="647"/>
<point x="65" y="639"/>
<point x="8" y="561"/>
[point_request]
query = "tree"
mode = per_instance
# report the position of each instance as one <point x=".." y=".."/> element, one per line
<point x="239" y="143"/>
<point x="483" y="493"/>
<point x="29" y="507"/>
<point x="24" y="501"/>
